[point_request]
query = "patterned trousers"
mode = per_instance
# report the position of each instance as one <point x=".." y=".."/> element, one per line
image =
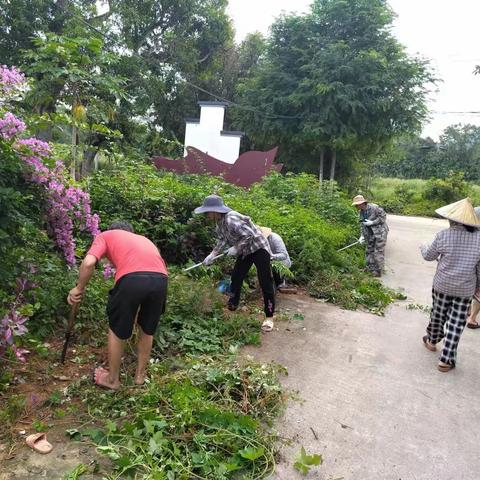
<point x="447" y="320"/>
<point x="375" y="252"/>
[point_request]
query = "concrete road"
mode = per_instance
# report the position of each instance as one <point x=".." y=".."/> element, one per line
<point x="372" y="401"/>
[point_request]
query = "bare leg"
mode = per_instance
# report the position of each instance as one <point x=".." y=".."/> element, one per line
<point x="111" y="378"/>
<point x="144" y="347"/>
<point x="474" y="309"/>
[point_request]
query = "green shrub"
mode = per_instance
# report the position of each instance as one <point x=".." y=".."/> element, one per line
<point x="421" y="197"/>
<point x="314" y="222"/>
<point x="448" y="189"/>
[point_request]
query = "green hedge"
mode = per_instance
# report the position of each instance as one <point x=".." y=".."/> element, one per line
<point x="314" y="222"/>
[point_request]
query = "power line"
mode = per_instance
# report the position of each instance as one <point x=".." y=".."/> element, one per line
<point x="446" y="112"/>
<point x="213" y="95"/>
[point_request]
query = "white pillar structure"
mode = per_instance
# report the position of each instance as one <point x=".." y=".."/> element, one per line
<point x="207" y="133"/>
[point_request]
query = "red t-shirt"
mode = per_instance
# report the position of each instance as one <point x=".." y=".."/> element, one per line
<point x="128" y="252"/>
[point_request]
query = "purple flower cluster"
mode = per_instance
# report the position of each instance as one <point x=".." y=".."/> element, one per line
<point x="13" y="323"/>
<point x="108" y="271"/>
<point x="67" y="207"/>
<point x="10" y="126"/>
<point x="10" y="78"/>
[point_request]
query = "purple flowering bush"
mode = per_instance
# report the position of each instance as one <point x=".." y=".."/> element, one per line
<point x="36" y="198"/>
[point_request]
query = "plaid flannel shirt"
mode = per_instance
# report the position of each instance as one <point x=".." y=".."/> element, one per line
<point x="458" y="255"/>
<point x="237" y="230"/>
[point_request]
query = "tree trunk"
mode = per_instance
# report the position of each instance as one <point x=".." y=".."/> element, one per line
<point x="88" y="160"/>
<point x="46" y="133"/>
<point x="332" y="167"/>
<point x="73" y="166"/>
<point x="320" y="172"/>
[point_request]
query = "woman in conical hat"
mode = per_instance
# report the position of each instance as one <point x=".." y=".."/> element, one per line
<point x="457" y="279"/>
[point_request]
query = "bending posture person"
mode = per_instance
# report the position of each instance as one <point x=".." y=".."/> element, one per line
<point x="457" y="250"/>
<point x="249" y="246"/>
<point x="279" y="252"/>
<point x="140" y="287"/>
<point x="374" y="231"/>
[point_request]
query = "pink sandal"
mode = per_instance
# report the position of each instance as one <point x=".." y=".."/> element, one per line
<point x="39" y="443"/>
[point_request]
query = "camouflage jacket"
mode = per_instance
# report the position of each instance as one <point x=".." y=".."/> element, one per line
<point x="379" y="218"/>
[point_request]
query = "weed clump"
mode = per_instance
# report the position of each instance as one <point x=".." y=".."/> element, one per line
<point x="203" y="420"/>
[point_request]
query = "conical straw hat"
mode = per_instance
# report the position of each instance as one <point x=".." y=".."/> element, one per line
<point x="460" y="212"/>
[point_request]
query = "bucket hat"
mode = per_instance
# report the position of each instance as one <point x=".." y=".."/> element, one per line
<point x="266" y="232"/>
<point x="213" y="203"/>
<point x="358" y="200"/>
<point x="460" y="212"/>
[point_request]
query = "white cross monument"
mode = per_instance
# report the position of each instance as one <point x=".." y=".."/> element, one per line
<point x="207" y="134"/>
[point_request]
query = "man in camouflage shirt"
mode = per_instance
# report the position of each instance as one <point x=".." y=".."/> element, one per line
<point x="374" y="231"/>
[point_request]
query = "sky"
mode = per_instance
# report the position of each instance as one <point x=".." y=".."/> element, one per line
<point x="447" y="32"/>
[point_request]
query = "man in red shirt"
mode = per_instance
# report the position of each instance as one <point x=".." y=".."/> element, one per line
<point x="140" y="287"/>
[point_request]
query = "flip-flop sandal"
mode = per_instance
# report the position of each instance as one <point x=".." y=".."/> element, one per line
<point x="267" y="326"/>
<point x="473" y="326"/>
<point x="428" y="345"/>
<point x="39" y="443"/>
<point x="445" y="368"/>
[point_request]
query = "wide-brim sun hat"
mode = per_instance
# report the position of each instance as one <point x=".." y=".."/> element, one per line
<point x="266" y="232"/>
<point x="460" y="212"/>
<point x="213" y="203"/>
<point x="358" y="200"/>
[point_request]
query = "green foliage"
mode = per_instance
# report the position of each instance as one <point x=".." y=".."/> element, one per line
<point x="447" y="190"/>
<point x="334" y="79"/>
<point x="421" y="197"/>
<point x="351" y="290"/>
<point x="314" y="222"/>
<point x="196" y="418"/>
<point x="195" y="321"/>
<point x="305" y="462"/>
<point x="458" y="149"/>
<point x="76" y="473"/>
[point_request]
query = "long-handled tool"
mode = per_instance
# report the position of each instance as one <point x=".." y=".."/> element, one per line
<point x="201" y="263"/>
<point x="68" y="333"/>
<point x="348" y="246"/>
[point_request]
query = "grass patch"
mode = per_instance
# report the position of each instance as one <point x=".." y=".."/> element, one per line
<point x="409" y="196"/>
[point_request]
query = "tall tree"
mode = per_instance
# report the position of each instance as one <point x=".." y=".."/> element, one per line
<point x="22" y="20"/>
<point x="74" y="72"/>
<point x="336" y="81"/>
<point x="164" y="47"/>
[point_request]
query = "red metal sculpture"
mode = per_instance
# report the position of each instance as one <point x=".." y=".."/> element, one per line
<point x="250" y="167"/>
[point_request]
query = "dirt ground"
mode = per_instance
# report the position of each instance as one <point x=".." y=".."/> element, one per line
<point x="372" y="401"/>
<point x="38" y="381"/>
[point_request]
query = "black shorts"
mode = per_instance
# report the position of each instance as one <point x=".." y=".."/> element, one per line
<point x="144" y="290"/>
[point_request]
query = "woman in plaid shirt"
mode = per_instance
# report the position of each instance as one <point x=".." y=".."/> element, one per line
<point x="247" y="243"/>
<point x="457" y="279"/>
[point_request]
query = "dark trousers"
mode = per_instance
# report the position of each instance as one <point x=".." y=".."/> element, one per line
<point x="261" y="259"/>
<point x="278" y="280"/>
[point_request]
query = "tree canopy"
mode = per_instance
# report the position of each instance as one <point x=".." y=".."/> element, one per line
<point x="458" y="150"/>
<point x="335" y="79"/>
